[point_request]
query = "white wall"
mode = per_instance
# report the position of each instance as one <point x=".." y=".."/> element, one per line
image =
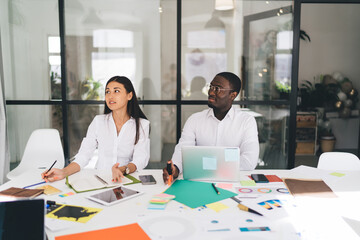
<point x="335" y="38"/>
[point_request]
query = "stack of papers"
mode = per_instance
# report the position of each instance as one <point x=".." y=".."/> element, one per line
<point x="159" y="201"/>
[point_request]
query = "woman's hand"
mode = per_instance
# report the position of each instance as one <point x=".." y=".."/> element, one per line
<point x="54" y="174"/>
<point x="117" y="174"/>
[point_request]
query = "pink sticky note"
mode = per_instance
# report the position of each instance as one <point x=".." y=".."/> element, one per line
<point x="224" y="185"/>
<point x="164" y="195"/>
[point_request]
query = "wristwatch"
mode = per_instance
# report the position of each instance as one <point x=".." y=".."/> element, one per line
<point x="127" y="170"/>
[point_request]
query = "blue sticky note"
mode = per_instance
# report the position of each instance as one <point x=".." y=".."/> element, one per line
<point x="156" y="206"/>
<point x="232" y="155"/>
<point x="209" y="163"/>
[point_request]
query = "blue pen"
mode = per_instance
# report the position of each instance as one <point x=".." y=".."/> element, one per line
<point x="35" y="184"/>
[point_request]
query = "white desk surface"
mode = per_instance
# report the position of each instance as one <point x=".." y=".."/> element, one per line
<point x="331" y="219"/>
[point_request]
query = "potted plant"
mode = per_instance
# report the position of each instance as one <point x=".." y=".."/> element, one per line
<point x="283" y="88"/>
<point x="327" y="138"/>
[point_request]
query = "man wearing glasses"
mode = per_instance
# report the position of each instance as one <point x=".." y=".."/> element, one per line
<point x="220" y="125"/>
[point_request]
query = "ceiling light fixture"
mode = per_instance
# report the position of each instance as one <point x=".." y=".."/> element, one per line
<point x="223" y="5"/>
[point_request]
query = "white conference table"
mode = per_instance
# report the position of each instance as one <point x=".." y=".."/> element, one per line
<point x="328" y="219"/>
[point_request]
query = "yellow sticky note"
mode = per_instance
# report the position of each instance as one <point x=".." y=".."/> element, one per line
<point x="49" y="190"/>
<point x="217" y="206"/>
<point x="336" y="174"/>
<point x="248" y="183"/>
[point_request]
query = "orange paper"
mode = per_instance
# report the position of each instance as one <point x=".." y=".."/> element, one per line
<point x="131" y="231"/>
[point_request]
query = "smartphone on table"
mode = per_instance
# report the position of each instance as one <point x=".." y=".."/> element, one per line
<point x="147" y="179"/>
<point x="259" y="178"/>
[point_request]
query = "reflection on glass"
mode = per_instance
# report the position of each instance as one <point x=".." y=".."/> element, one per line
<point x="30" y="51"/>
<point x="198" y="89"/>
<point x="33" y="117"/>
<point x="106" y="38"/>
<point x="272" y="124"/>
<point x="208" y="45"/>
<point x="268" y="46"/>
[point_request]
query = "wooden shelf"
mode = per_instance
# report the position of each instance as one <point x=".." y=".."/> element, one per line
<point x="306" y="133"/>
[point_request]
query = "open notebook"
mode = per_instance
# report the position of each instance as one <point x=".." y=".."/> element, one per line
<point x="89" y="180"/>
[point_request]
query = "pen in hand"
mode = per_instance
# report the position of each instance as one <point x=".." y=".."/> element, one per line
<point x="216" y="190"/>
<point x="169" y="170"/>
<point x="49" y="169"/>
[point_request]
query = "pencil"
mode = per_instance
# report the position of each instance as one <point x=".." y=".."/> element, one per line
<point x="51" y="167"/>
<point x="216" y="190"/>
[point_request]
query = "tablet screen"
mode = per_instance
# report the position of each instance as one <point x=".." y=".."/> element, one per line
<point x="115" y="194"/>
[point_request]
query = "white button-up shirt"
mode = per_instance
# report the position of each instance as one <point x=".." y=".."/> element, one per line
<point x="237" y="129"/>
<point x="114" y="148"/>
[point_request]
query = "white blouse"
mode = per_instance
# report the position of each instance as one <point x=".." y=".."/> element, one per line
<point x="115" y="148"/>
<point x="237" y="129"/>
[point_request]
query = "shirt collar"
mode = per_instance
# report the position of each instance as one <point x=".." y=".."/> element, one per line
<point x="230" y="113"/>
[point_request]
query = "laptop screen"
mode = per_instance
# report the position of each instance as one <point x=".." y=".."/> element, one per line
<point x="211" y="163"/>
<point x="22" y="219"/>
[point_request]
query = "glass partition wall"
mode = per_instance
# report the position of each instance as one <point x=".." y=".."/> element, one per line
<point x="328" y="76"/>
<point x="169" y="49"/>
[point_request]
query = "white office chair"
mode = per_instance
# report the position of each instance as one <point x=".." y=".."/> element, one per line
<point x="342" y="161"/>
<point x="42" y="149"/>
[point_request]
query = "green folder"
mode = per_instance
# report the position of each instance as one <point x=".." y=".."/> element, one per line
<point x="195" y="194"/>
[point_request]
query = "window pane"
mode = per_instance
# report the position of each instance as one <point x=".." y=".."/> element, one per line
<point x="33" y="117"/>
<point x="79" y="117"/>
<point x="273" y="131"/>
<point x="268" y="50"/>
<point x="188" y="110"/>
<point x="136" y="39"/>
<point x="162" y="134"/>
<point x="26" y="66"/>
<point x="207" y="47"/>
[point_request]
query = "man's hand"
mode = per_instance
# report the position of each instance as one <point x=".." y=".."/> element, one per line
<point x="175" y="172"/>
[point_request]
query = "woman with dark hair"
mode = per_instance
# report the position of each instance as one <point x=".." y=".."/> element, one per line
<point x="121" y="135"/>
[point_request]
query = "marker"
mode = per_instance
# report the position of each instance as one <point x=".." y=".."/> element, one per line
<point x="245" y="208"/>
<point x="216" y="190"/>
<point x="169" y="170"/>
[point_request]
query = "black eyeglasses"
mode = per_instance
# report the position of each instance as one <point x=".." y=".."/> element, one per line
<point x="217" y="89"/>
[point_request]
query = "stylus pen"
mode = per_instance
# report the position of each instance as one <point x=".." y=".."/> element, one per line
<point x="101" y="180"/>
<point x="216" y="190"/>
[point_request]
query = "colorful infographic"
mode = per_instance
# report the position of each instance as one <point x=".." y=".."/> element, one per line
<point x="247" y="192"/>
<point x="270" y="204"/>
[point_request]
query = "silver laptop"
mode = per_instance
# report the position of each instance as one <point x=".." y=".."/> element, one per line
<point x="211" y="163"/>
